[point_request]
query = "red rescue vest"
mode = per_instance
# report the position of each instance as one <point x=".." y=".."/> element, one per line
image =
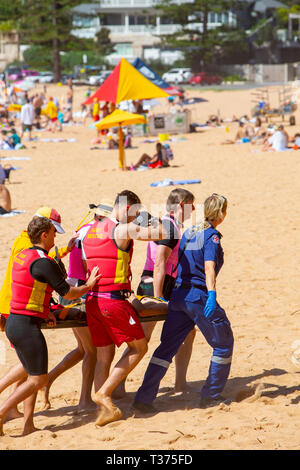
<point x="29" y="297"/>
<point x="101" y="250"/>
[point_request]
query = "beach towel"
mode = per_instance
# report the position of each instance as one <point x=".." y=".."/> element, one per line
<point x="14" y="158"/>
<point x="168" y="182"/>
<point x="12" y="213"/>
<point x="58" y="140"/>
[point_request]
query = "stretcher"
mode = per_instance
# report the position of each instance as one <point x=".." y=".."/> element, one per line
<point x="73" y="323"/>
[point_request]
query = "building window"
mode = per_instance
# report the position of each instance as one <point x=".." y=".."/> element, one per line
<point x="123" y="49"/>
<point x="111" y="19"/>
<point x="83" y="21"/>
<point x="141" y="20"/>
<point x="225" y="18"/>
<point x="165" y="20"/>
<point x="152" y="20"/>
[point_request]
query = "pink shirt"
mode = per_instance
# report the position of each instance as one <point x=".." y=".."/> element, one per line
<point x="76" y="268"/>
<point x="172" y="260"/>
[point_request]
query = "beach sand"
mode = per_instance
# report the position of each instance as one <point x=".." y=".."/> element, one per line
<point x="257" y="285"/>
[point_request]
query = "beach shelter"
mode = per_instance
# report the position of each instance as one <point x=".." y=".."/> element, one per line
<point x="156" y="79"/>
<point x="126" y="83"/>
<point x="119" y="118"/>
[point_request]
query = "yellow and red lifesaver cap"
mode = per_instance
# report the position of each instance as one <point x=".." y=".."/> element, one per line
<point x="51" y="214"/>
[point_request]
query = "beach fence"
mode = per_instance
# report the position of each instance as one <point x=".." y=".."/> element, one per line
<point x="261" y="73"/>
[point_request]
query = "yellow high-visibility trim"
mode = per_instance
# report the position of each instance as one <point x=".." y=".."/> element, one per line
<point x="122" y="268"/>
<point x="36" y="301"/>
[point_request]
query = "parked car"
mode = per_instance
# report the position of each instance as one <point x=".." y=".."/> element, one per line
<point x="205" y="78"/>
<point x="14" y="73"/>
<point x="99" y="79"/>
<point x="180" y="75"/>
<point x="66" y="77"/>
<point x="33" y="78"/>
<point x="29" y="73"/>
<point x="94" y="79"/>
<point x="104" y="75"/>
<point x="45" y="77"/>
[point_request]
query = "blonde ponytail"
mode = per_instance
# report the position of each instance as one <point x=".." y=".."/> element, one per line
<point x="215" y="207"/>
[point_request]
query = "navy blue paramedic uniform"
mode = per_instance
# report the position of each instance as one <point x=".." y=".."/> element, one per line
<point x="186" y="307"/>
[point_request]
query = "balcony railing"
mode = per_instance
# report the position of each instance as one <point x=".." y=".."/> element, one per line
<point x="130" y="3"/>
<point x="139" y="29"/>
<point x="143" y="29"/>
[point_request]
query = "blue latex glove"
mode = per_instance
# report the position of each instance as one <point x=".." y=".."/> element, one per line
<point x="210" y="304"/>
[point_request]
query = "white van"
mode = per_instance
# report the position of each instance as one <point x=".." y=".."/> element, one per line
<point x="177" y="76"/>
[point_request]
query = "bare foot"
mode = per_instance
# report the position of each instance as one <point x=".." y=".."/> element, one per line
<point x="108" y="412"/>
<point x="85" y="407"/>
<point x="45" y="397"/>
<point x="13" y="414"/>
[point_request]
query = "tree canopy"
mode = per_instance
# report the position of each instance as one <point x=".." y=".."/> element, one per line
<point x="46" y="26"/>
<point x="201" y="45"/>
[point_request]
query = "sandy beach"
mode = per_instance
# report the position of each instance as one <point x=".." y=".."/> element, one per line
<point x="257" y="285"/>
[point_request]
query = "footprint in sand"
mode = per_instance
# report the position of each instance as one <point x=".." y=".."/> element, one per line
<point x="250" y="394"/>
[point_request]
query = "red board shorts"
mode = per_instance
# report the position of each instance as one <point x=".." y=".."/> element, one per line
<point x="96" y="117"/>
<point x="112" y="321"/>
<point x="54" y="119"/>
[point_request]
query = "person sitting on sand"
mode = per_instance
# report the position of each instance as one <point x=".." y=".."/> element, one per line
<point x="213" y="120"/>
<point x="242" y="133"/>
<point x="241" y="136"/>
<point x="5" y="200"/>
<point x="128" y="139"/>
<point x="113" y="139"/>
<point x="5" y="143"/>
<point x="14" y="139"/>
<point x="68" y="115"/>
<point x="258" y="132"/>
<point x="278" y="142"/>
<point x="296" y="141"/>
<point x="151" y="162"/>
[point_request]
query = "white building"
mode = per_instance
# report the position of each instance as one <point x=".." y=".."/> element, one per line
<point x="9" y="48"/>
<point x="134" y="26"/>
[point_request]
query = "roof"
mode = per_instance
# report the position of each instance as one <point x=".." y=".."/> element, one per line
<point x="87" y="9"/>
<point x="263" y="5"/>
